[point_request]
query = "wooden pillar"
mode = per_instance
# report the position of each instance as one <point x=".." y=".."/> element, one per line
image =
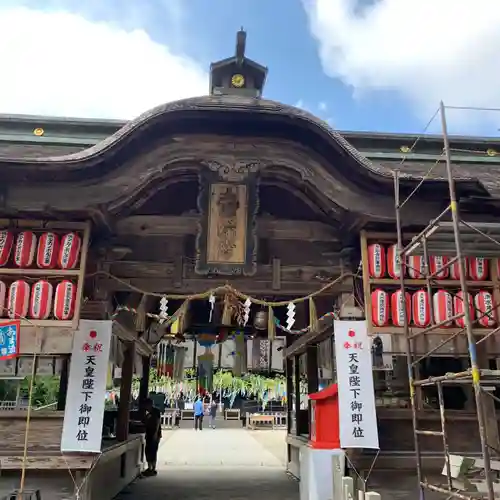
<point x="296" y="376"/>
<point x="289" y="392"/>
<point x="312" y="376"/>
<point x="144" y="386"/>
<point x="63" y="384"/>
<point x="289" y="395"/>
<point x="470" y="402"/>
<point x="125" y="393"/>
<point x="312" y="369"/>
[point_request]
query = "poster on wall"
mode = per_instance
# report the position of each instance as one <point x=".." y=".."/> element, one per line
<point x="83" y="417"/>
<point x="353" y="356"/>
<point x="381" y="347"/>
<point x="9" y="339"/>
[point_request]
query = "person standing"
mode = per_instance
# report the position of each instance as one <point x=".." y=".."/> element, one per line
<point x="180" y="405"/>
<point x="212" y="413"/>
<point x="198" y="413"/>
<point x="153" y="436"/>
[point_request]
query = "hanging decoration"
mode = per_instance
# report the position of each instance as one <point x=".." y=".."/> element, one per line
<point x="290" y="315"/>
<point x="239" y="354"/>
<point x="211" y="301"/>
<point x="179" y="363"/>
<point x="246" y="311"/>
<point x="313" y="316"/>
<point x="163" y="310"/>
<point x="227" y="312"/>
<point x="205" y="371"/>
<point x="240" y="310"/>
<point x="271" y="325"/>
<point x="165" y="359"/>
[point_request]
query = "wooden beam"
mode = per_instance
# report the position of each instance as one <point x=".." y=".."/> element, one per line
<point x="50" y="340"/>
<point x="166" y="225"/>
<point x="312" y="337"/>
<point x="200" y="285"/>
<point x="153" y="269"/>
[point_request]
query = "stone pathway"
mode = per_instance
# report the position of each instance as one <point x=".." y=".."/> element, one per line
<point x="225" y="464"/>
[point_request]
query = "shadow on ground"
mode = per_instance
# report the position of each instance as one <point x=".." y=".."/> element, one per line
<point x="224" y="483"/>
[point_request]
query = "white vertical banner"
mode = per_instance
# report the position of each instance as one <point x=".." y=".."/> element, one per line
<point x="353" y="356"/>
<point x="83" y="417"/>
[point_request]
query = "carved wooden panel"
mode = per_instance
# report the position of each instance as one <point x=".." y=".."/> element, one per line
<point x="227" y="218"/>
<point x="226" y="242"/>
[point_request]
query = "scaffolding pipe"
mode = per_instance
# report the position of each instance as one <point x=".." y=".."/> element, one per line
<point x="476" y="377"/>
<point x="407" y="338"/>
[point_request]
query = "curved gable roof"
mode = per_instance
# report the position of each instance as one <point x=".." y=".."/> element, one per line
<point x="223" y="115"/>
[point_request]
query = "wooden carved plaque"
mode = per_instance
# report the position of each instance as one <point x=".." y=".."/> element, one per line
<point x="226" y="242"/>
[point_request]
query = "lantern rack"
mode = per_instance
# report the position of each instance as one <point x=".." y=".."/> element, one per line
<point x="78" y="273"/>
<point x="449" y="235"/>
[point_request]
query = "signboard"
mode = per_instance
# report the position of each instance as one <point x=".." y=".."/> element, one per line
<point x="83" y="417"/>
<point x="353" y="356"/>
<point x="228" y="199"/>
<point x="9" y="339"/>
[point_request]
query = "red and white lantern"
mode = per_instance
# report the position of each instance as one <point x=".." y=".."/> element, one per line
<point x="3" y="297"/>
<point x="394" y="267"/>
<point x="485" y="312"/>
<point x="376" y="260"/>
<point x="397" y="308"/>
<point x="41" y="300"/>
<point x="416" y="267"/>
<point x="455" y="269"/>
<point x="24" y="252"/>
<point x="436" y="264"/>
<point x="459" y="308"/>
<point x="6" y="242"/>
<point x="64" y="300"/>
<point x="421" y="309"/>
<point x="442" y="304"/>
<point x="478" y="268"/>
<point x="48" y="246"/>
<point x="18" y="301"/>
<point x="380" y="308"/>
<point x="69" y="251"/>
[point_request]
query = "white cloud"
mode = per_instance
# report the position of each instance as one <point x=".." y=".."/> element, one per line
<point x="322" y="106"/>
<point x="427" y="50"/>
<point x="58" y="63"/>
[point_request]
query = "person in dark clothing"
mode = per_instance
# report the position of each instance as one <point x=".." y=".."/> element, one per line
<point x="212" y="413"/>
<point x="153" y="436"/>
<point x="180" y="405"/>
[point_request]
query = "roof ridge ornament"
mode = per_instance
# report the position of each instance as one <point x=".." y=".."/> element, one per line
<point x="241" y="41"/>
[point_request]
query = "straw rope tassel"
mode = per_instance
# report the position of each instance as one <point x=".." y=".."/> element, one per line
<point x="271" y="326"/>
<point x="227" y="312"/>
<point x="181" y="318"/>
<point x="313" y="316"/>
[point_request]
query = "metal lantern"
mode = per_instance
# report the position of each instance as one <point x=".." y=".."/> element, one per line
<point x="260" y="321"/>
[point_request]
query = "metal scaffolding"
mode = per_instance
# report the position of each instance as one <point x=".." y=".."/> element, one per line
<point x="448" y="235"/>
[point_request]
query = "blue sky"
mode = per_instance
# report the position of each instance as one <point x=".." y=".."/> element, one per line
<point x="354" y="63"/>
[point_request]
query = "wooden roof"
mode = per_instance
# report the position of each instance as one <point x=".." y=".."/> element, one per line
<point x="264" y="129"/>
